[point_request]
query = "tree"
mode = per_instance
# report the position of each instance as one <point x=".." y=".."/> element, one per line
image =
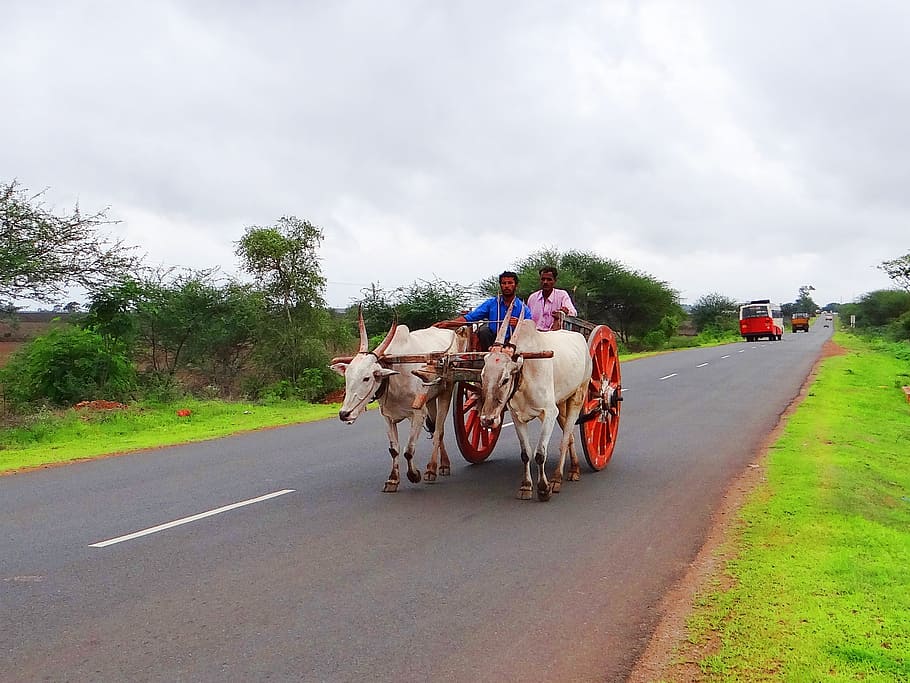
<point x="604" y="291"/>
<point x="898" y="270"/>
<point x="805" y="304"/>
<point x="169" y="320"/>
<point x="283" y="260"/>
<point x="64" y="366"/>
<point x="417" y="305"/>
<point x="879" y="308"/>
<point x="714" y="310"/>
<point x="42" y="254"/>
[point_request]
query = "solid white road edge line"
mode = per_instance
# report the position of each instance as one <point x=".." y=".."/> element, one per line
<point x="186" y="520"/>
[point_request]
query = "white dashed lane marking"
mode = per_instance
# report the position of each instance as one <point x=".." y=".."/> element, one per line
<point x="187" y="520"/>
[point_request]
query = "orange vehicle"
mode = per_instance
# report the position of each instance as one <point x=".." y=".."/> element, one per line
<point x="761" y="318"/>
<point x="799" y="321"/>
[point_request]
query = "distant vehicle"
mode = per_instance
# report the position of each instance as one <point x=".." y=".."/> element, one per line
<point x="761" y="318"/>
<point x="829" y="316"/>
<point x="799" y="321"/>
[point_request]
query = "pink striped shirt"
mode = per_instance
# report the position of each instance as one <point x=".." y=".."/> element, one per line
<point x="542" y="309"/>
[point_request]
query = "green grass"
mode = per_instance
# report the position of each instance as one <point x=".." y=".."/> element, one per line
<point x="60" y="436"/>
<point x="820" y="566"/>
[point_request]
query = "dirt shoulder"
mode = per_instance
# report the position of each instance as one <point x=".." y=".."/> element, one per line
<point x="669" y="655"/>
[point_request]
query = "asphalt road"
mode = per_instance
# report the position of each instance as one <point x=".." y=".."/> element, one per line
<point x="331" y="580"/>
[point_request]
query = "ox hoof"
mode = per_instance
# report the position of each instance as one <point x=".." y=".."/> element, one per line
<point x="414" y="476"/>
<point x="574" y="476"/>
<point x="390" y="487"/>
<point x="543" y="493"/>
<point x="445" y="471"/>
<point x="429" y="477"/>
<point x="524" y="494"/>
<point x="555" y="486"/>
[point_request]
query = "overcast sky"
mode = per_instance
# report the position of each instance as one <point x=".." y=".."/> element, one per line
<point x="745" y="148"/>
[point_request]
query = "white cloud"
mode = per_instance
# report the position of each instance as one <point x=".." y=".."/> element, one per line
<point x="721" y="147"/>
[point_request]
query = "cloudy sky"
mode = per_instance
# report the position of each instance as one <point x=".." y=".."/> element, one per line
<point x="745" y="148"/>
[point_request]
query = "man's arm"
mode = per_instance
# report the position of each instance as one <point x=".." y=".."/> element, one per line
<point x="479" y="313"/>
<point x="567" y="306"/>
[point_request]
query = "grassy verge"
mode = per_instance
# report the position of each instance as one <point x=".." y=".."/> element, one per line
<point x="61" y="436"/>
<point x="819" y="587"/>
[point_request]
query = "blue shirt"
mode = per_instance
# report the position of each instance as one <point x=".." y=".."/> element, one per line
<point x="494" y="310"/>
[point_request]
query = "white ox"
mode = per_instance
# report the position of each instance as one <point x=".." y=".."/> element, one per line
<point x="400" y="393"/>
<point x="550" y="389"/>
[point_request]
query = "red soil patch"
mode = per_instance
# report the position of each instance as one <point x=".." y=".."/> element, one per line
<point x="99" y="405"/>
<point x="336" y="396"/>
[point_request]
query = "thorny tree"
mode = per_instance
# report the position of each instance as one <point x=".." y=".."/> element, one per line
<point x="898" y="270"/>
<point x="42" y="254"/>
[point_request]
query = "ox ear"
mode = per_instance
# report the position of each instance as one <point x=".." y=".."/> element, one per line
<point x="339" y="368"/>
<point x="519" y="361"/>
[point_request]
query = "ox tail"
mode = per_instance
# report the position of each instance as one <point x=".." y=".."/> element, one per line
<point x="429" y="424"/>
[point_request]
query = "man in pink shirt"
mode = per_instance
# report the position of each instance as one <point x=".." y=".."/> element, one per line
<point x="548" y="300"/>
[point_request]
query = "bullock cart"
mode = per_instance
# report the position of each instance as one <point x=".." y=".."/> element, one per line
<point x="599" y="418"/>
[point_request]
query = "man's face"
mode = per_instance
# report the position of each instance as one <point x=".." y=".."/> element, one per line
<point x="507" y="286"/>
<point x="547" y="282"/>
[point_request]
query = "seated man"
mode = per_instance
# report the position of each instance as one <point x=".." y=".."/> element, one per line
<point x="548" y="303"/>
<point x="494" y="310"/>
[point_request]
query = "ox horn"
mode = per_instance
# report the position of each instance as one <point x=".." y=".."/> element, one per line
<point x="364" y="340"/>
<point x="379" y="350"/>
<point x="501" y="333"/>
<point x="521" y="316"/>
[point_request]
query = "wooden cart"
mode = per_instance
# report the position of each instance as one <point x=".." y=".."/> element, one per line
<point x="599" y="420"/>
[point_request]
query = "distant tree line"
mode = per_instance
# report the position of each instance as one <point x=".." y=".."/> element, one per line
<point x="158" y="332"/>
<point x="885" y="312"/>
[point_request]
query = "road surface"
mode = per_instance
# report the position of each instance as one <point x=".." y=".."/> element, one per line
<point x="274" y="556"/>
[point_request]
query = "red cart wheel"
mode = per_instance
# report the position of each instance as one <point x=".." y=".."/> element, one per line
<point x="603" y="401"/>
<point x="474" y="442"/>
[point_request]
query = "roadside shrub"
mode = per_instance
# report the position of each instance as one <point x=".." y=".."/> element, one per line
<point x="66" y="366"/>
<point x="160" y="387"/>
<point x="713" y="334"/>
<point x="899" y="330"/>
<point x="654" y="340"/>
<point x="681" y="342"/>
<point x="313" y="385"/>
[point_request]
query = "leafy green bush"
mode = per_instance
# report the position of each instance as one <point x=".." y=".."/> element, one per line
<point x="681" y="342"/>
<point x="159" y="387"/>
<point x="66" y="366"/>
<point x="313" y="385"/>
<point x="654" y="340"/>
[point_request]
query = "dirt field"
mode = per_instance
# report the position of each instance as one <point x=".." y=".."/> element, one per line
<point x="6" y="350"/>
<point x="28" y="326"/>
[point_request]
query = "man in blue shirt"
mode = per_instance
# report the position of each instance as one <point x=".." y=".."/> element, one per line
<point x="494" y="310"/>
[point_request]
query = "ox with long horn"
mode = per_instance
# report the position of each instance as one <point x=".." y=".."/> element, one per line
<point x="369" y="375"/>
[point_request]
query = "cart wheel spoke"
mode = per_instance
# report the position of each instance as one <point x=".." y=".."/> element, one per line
<point x="474" y="442"/>
<point x="604" y="390"/>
